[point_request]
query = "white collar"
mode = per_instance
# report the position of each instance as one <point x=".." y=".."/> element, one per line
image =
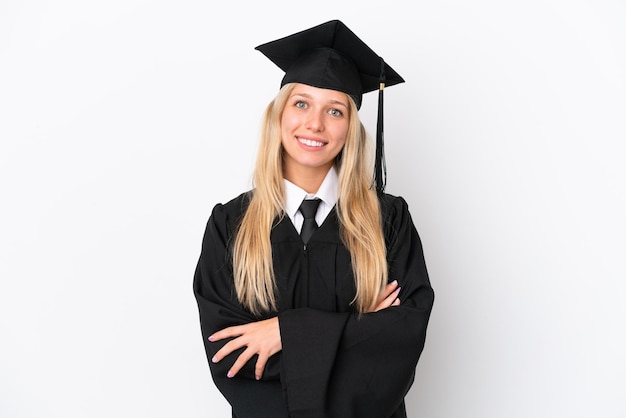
<point x="327" y="192"/>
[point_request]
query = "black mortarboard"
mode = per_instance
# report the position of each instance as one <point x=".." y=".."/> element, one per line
<point x="331" y="56"/>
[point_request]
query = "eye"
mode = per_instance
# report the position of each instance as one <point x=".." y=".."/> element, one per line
<point x="335" y="112"/>
<point x="300" y="104"/>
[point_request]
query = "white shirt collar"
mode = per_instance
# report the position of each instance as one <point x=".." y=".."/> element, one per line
<point x="327" y="192"/>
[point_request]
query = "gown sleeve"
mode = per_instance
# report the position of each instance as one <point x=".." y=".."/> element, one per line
<point x="351" y="365"/>
<point x="219" y="308"/>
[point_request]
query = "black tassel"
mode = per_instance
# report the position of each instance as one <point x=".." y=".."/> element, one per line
<point x="380" y="169"/>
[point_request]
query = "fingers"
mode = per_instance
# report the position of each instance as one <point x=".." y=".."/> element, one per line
<point x="389" y="299"/>
<point x="260" y="338"/>
<point x="387" y="291"/>
<point x="260" y="366"/>
<point x="240" y="362"/>
<point x="228" y="348"/>
<point x="243" y="359"/>
<point x="226" y="333"/>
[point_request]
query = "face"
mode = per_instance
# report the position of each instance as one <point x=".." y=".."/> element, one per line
<point x="314" y="126"/>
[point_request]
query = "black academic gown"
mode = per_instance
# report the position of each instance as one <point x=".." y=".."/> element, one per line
<point x="334" y="362"/>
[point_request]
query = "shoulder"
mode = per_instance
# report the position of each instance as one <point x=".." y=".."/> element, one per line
<point x="226" y="216"/>
<point x="392" y="206"/>
<point x="396" y="218"/>
<point x="236" y="207"/>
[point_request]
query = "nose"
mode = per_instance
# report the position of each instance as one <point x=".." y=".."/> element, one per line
<point x="314" y="121"/>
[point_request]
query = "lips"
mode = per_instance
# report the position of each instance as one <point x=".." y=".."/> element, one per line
<point x="310" y="142"/>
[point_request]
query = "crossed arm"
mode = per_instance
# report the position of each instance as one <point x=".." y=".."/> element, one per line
<point x="262" y="338"/>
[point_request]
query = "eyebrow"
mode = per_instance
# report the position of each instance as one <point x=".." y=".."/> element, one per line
<point x="333" y="101"/>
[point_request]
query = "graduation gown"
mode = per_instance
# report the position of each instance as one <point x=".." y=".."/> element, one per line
<point x="334" y="362"/>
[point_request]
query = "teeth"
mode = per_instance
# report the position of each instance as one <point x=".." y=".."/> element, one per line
<point x="310" y="142"/>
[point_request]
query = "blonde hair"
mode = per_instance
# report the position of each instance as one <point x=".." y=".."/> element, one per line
<point x="358" y="211"/>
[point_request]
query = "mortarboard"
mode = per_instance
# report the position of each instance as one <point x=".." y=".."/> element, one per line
<point x="331" y="56"/>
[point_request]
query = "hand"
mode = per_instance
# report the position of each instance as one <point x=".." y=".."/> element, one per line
<point x="388" y="296"/>
<point x="262" y="338"/>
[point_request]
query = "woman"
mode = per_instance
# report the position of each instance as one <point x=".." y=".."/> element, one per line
<point x="321" y="314"/>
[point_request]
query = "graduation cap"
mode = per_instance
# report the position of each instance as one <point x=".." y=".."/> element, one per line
<point x="331" y="56"/>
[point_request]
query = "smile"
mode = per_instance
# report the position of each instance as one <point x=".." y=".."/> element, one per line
<point x="310" y="142"/>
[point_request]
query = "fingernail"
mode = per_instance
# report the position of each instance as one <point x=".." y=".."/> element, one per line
<point x="229" y="374"/>
<point x="211" y="338"/>
<point x="394" y="282"/>
<point x="214" y="359"/>
<point x="257" y="377"/>
<point x="398" y="290"/>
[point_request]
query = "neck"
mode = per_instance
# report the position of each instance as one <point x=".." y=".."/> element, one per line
<point x="307" y="178"/>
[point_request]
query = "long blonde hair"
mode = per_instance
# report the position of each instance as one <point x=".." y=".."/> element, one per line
<point x="358" y="211"/>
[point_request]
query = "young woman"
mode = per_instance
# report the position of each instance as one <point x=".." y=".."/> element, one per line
<point x="321" y="314"/>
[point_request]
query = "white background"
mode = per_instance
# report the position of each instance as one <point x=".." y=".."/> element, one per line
<point x="123" y="122"/>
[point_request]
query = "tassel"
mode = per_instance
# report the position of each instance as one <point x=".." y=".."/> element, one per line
<point x="380" y="169"/>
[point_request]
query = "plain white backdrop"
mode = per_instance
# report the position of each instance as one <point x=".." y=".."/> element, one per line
<point x="123" y="122"/>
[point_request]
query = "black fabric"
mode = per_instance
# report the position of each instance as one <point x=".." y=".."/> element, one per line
<point x="308" y="209"/>
<point x="334" y="363"/>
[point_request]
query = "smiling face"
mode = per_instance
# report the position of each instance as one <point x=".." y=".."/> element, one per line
<point x="314" y="126"/>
